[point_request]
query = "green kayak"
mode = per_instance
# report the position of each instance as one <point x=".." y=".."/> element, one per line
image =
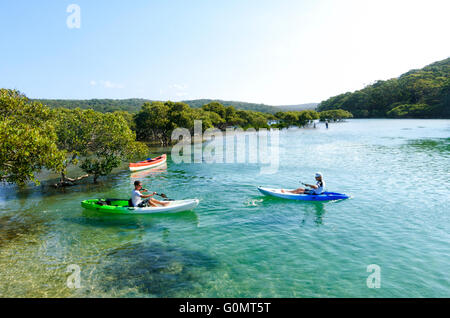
<point x="121" y="206"/>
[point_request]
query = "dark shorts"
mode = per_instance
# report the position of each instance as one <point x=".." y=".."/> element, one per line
<point x="310" y="192"/>
<point x="143" y="204"/>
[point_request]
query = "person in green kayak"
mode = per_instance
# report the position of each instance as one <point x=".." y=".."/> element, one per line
<point x="137" y="197"/>
<point x="316" y="189"/>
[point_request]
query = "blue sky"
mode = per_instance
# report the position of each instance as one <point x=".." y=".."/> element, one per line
<point x="272" y="52"/>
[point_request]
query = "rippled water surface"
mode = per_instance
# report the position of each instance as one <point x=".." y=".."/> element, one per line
<point x="238" y="243"/>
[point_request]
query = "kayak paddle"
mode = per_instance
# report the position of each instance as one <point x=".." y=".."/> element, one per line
<point x="162" y="195"/>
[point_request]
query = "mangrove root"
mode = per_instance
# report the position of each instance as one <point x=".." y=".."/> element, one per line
<point x="68" y="182"/>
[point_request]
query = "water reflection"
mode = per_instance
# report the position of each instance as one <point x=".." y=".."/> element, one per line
<point x="149" y="172"/>
<point x="311" y="208"/>
<point x="46" y="190"/>
<point x="317" y="209"/>
<point x="441" y="145"/>
<point x="95" y="218"/>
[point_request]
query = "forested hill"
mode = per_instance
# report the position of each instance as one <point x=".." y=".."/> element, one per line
<point x="197" y="103"/>
<point x="300" y="107"/>
<point x="133" y="105"/>
<point x="422" y="93"/>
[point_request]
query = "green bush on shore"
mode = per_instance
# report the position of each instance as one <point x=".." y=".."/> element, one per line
<point x="335" y="115"/>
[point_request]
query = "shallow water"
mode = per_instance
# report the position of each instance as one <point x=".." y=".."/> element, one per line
<point x="238" y="243"/>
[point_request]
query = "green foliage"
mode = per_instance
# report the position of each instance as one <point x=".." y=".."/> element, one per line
<point x="74" y="129"/>
<point x="198" y="103"/>
<point x="217" y="108"/>
<point x="334" y="115"/>
<point x="157" y="120"/>
<point x="410" y="111"/>
<point x="133" y="105"/>
<point x="428" y="86"/>
<point x="299" y="107"/>
<point x="252" y="119"/>
<point x="100" y="166"/>
<point x="443" y="107"/>
<point x="152" y="122"/>
<point x="306" y="116"/>
<point x="232" y="117"/>
<point x="28" y="142"/>
<point x="209" y="119"/>
<point x="129" y="118"/>
<point x="296" y="118"/>
<point x="180" y="115"/>
<point x="102" y="140"/>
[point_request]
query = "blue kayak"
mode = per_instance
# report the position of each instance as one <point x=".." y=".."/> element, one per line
<point x="326" y="196"/>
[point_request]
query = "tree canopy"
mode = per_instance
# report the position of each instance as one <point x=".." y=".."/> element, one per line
<point x="156" y="120"/>
<point x="28" y="141"/>
<point x="334" y="115"/>
<point x="133" y="105"/>
<point x="34" y="137"/>
<point x="102" y="141"/>
<point x="296" y="118"/>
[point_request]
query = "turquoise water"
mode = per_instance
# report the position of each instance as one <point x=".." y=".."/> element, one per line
<point x="238" y="243"/>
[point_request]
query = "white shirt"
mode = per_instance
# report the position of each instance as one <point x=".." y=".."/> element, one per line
<point x="136" y="197"/>
<point x="320" y="187"/>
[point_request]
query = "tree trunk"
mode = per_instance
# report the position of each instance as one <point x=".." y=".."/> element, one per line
<point x="68" y="182"/>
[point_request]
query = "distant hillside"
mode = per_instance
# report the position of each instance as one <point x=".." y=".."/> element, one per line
<point x="238" y="105"/>
<point x="300" y="107"/>
<point x="133" y="105"/>
<point x="422" y="93"/>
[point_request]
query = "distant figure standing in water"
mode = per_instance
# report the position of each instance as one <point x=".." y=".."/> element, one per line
<point x="326" y="124"/>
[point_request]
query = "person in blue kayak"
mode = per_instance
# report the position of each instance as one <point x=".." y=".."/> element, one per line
<point x="315" y="189"/>
<point x="137" y="197"/>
